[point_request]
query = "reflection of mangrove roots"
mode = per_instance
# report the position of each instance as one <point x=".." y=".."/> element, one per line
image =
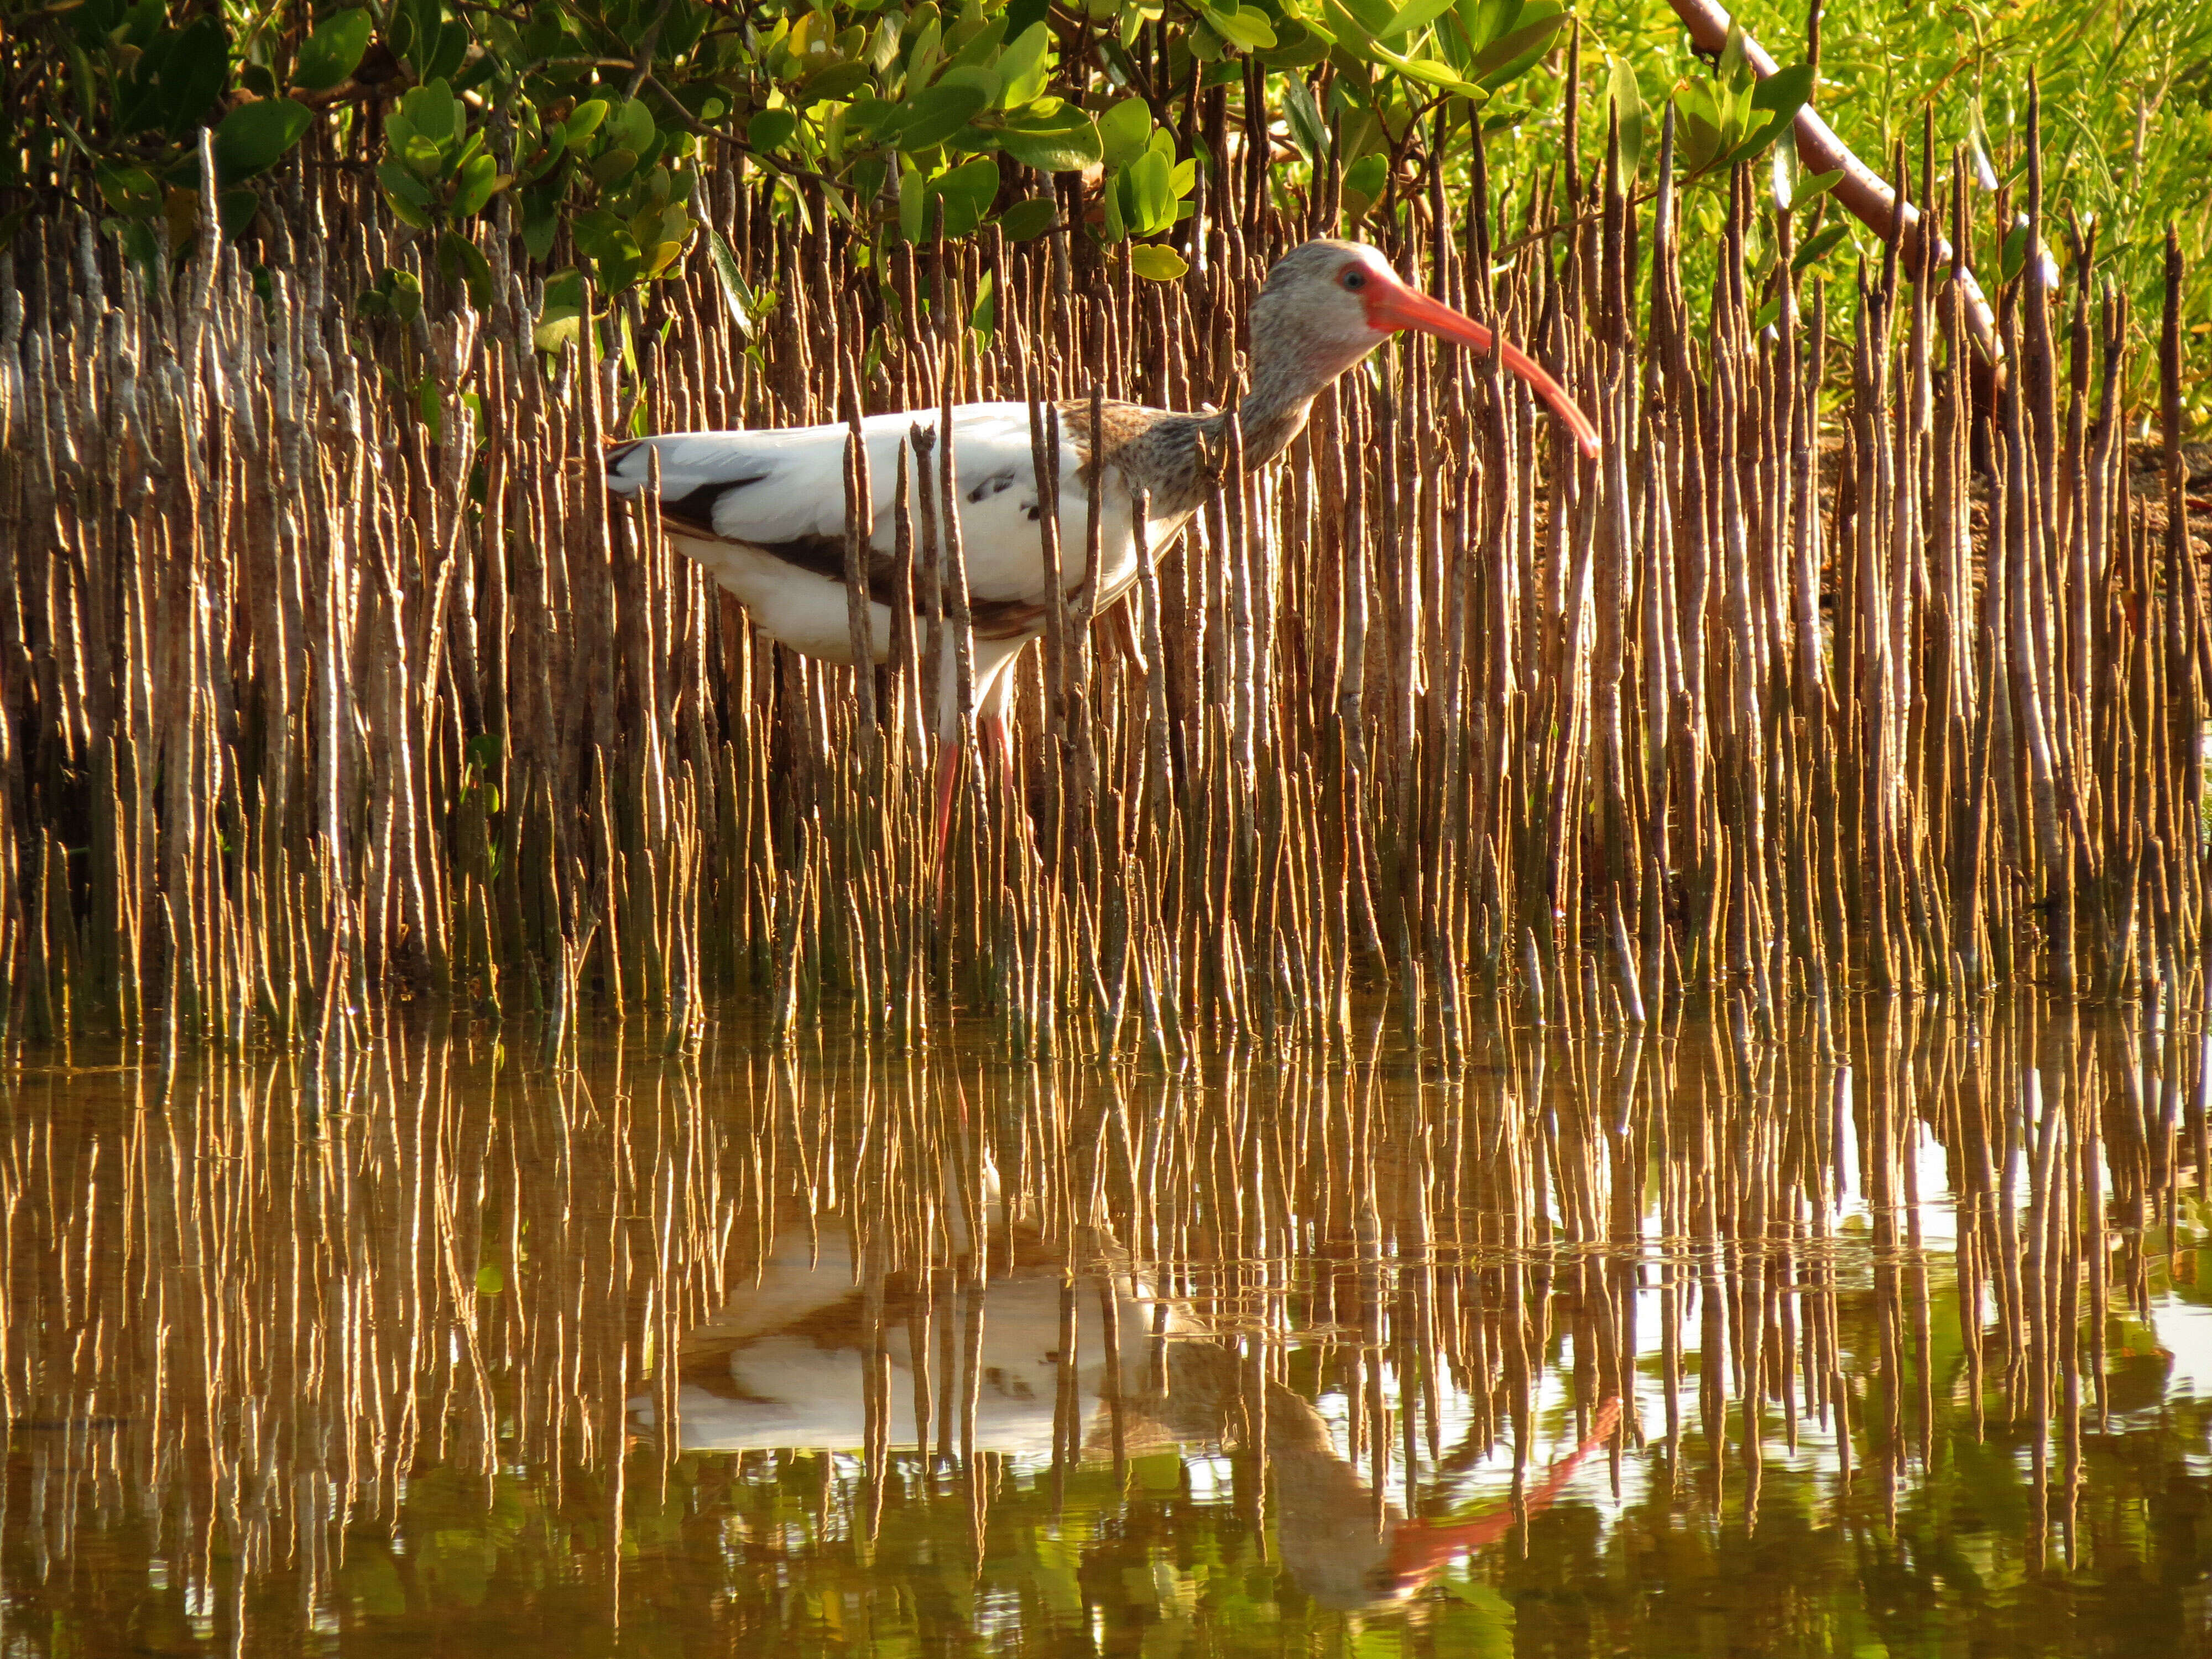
<point x="502" y="1253"/>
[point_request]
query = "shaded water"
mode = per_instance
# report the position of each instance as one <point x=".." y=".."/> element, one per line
<point x="438" y="1351"/>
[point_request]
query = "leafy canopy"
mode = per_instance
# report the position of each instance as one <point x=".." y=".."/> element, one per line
<point x="902" y="120"/>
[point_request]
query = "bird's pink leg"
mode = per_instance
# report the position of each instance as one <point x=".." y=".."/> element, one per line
<point x="999" y="735"/>
<point x="948" y="785"/>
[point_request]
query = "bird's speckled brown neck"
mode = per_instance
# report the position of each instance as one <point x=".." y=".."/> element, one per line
<point x="1178" y="458"/>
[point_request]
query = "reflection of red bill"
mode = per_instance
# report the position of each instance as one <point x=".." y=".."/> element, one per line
<point x="1421" y="1547"/>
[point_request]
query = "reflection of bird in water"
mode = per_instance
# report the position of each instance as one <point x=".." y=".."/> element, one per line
<point x="782" y="1368"/>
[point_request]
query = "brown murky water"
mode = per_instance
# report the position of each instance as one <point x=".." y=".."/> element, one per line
<point x="438" y="1351"/>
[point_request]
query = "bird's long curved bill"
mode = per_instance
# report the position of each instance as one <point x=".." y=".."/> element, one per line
<point x="1399" y="307"/>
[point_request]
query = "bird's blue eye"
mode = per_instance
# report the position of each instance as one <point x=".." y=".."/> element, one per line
<point x="1355" y="278"/>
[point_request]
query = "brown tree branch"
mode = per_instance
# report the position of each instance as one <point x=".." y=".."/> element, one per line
<point x="1862" y="192"/>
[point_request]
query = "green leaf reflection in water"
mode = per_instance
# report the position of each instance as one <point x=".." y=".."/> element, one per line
<point x="416" y="1355"/>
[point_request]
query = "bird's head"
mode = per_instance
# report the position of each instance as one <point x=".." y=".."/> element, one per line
<point x="1328" y="303"/>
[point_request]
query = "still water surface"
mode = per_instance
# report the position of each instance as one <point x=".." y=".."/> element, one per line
<point x="441" y="1351"/>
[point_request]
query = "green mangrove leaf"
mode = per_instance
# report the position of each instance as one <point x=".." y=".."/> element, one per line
<point x="463" y="261"/>
<point x="191" y="73"/>
<point x="1627" y="101"/>
<point x="1778" y="97"/>
<point x="1487" y="20"/>
<point x="1784" y="92"/>
<point x="979" y="48"/>
<point x="1369" y="18"/>
<point x="1698" y="134"/>
<point x="404" y="293"/>
<point x="422" y="158"/>
<point x="1433" y="73"/>
<point x="132" y="192"/>
<point x="565" y="287"/>
<point x="611" y="166"/>
<point x="1363" y="181"/>
<point x="1031" y="217"/>
<point x="1125" y="129"/>
<point x="929" y="119"/>
<point x="1023" y="71"/>
<point x="983" y="315"/>
<point x="1811" y="186"/>
<point x="1308" y="131"/>
<point x="481" y="180"/>
<point x="440" y="48"/>
<point x="1152" y="194"/>
<point x="922" y="61"/>
<point x="982" y="76"/>
<point x="870" y="120"/>
<point x="1732" y="65"/>
<point x="1297" y="43"/>
<point x="584" y="120"/>
<point x="1157" y="262"/>
<point x="1064" y="141"/>
<point x="837" y="81"/>
<point x="882" y="46"/>
<point x="560" y="327"/>
<point x="771" y="128"/>
<point x="736" y="291"/>
<point x="329" y="57"/>
<point x="407" y="195"/>
<point x="1817" y="245"/>
<point x="913" y="196"/>
<point x="434" y="113"/>
<point x="235" y="209"/>
<point x="1245" y="27"/>
<point x="632" y="126"/>
<point x="595" y="231"/>
<point x="967" y="191"/>
<point x="1507" y="57"/>
<point x="1413" y="15"/>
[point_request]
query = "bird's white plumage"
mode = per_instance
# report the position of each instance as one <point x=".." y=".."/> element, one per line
<point x="773" y="489"/>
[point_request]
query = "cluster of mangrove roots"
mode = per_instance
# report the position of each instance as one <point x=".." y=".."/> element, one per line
<point x="332" y="674"/>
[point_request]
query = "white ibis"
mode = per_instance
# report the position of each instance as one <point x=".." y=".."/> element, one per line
<point x="765" y="511"/>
